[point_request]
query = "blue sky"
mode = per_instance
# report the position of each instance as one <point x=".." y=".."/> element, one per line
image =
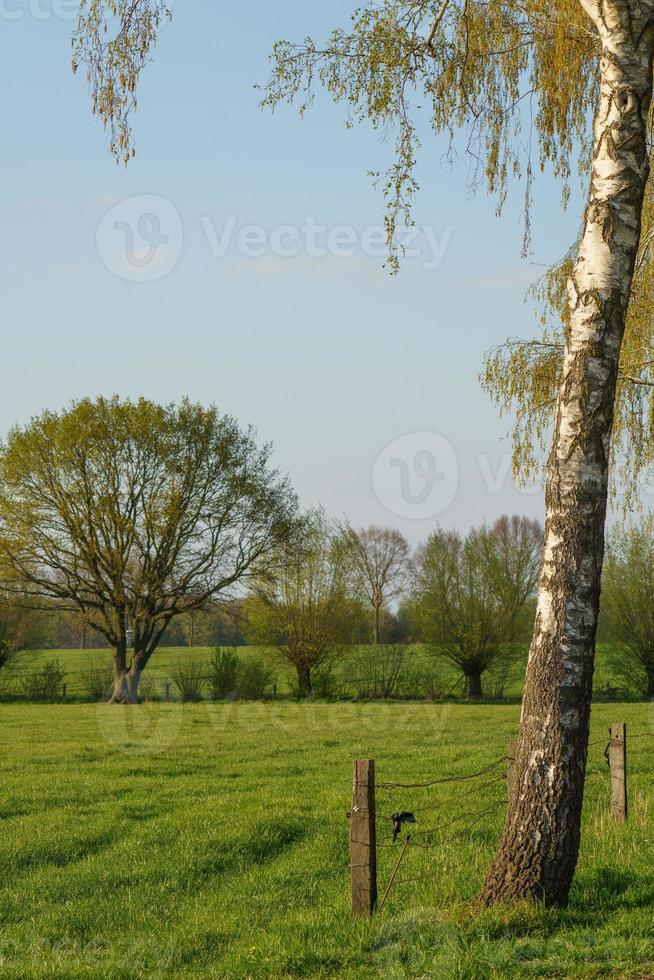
<point x="328" y="357"/>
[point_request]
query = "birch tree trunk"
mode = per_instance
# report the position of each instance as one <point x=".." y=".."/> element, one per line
<point x="538" y="851"/>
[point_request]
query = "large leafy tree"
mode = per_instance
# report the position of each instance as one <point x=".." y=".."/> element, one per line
<point x="472" y="595"/>
<point x="134" y="513"/>
<point x="521" y="79"/>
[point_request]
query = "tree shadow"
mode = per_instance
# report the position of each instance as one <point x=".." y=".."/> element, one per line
<point x="609" y="889"/>
<point x="266" y="841"/>
<point x="597" y="896"/>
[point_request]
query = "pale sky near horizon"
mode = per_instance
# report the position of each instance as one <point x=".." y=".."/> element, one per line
<point x="327" y="356"/>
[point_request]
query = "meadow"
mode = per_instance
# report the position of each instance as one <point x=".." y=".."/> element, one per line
<point x="210" y="840"/>
<point x="422" y="675"/>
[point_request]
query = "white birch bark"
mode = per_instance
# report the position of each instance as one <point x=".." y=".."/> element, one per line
<point x="538" y="851"/>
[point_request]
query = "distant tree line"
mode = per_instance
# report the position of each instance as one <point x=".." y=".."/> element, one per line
<point x="469" y="598"/>
<point x="134" y="525"/>
<point x="53" y="628"/>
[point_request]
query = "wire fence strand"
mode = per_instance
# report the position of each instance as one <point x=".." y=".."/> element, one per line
<point x="446" y="779"/>
<point x="438" y="836"/>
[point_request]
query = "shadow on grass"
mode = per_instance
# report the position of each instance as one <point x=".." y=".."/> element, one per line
<point x="611" y="889"/>
<point x="55" y="853"/>
<point x="596" y="898"/>
<point x="265" y="842"/>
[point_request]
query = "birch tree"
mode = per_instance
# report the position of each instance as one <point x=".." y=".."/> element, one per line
<point x="474" y="63"/>
<point x="476" y="68"/>
<point x="522" y="375"/>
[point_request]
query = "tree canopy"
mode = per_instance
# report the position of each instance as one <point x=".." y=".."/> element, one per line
<point x="472" y="595"/>
<point x="302" y="605"/>
<point x="628" y="604"/>
<point x="113" y="41"/>
<point x="379" y="561"/>
<point x="516" y="79"/>
<point x="133" y="513"/>
<point x="512" y="83"/>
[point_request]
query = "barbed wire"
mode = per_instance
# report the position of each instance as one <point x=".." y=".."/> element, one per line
<point x="435" y="837"/>
<point x="451" y="820"/>
<point x="446" y="779"/>
<point x="461" y="796"/>
<point x="410" y="843"/>
<point x="460" y="833"/>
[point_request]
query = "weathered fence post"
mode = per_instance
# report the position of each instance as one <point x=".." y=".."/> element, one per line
<point x="63" y="692"/>
<point x="618" y="764"/>
<point x="363" y="839"/>
<point x="511" y="771"/>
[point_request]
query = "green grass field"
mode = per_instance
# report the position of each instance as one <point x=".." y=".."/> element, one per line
<point x="211" y="841"/>
<point x="419" y="665"/>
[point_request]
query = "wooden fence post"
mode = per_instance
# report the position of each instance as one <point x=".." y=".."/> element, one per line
<point x="63" y="692"/>
<point x="511" y="772"/>
<point x="363" y="839"/>
<point x="618" y="764"/>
